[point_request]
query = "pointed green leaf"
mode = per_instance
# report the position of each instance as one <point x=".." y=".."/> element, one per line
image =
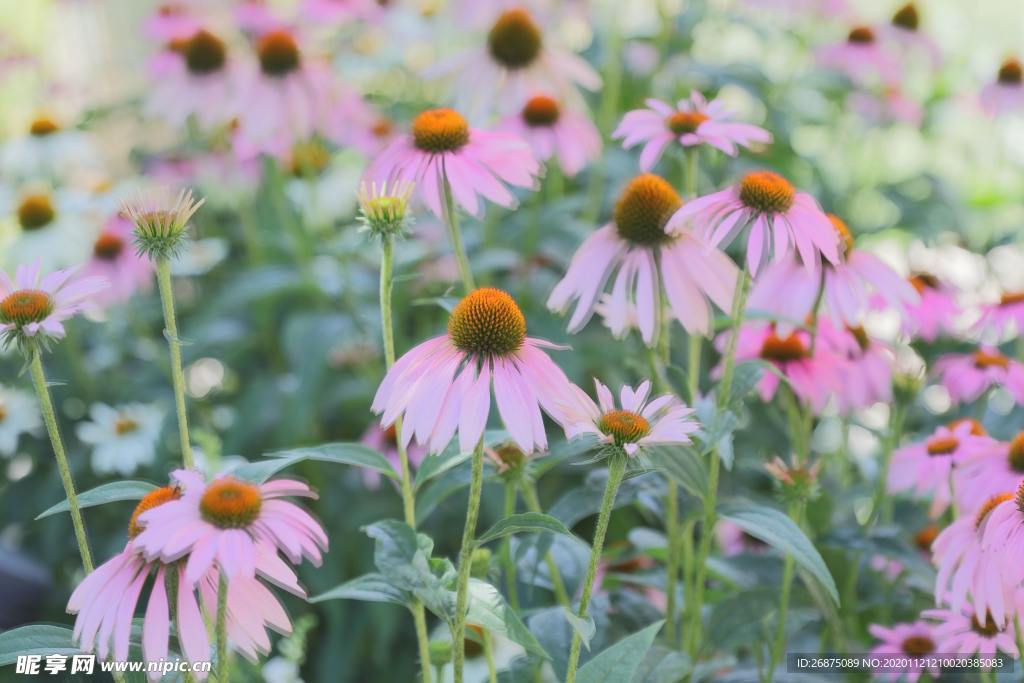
<point x="621" y="661"/>
<point x="105" y="493"/>
<point x="488" y="609"/>
<point x="371" y="587"/>
<point x="340" y="453"/>
<point x="525" y="523"/>
<point x="35" y="639"/>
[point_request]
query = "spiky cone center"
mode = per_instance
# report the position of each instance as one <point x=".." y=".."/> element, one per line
<point x="924" y="538"/>
<point x="541" y="111"/>
<point x="844" y="234"/>
<point x="204" y="53"/>
<point x="643" y="209"/>
<point x="35" y="212"/>
<point x="942" y="445"/>
<point x="278" y="53"/>
<point x="989" y="629"/>
<point x="153" y="499"/>
<point x="624" y="426"/>
<point x="988" y="506"/>
<point x="26" y="306"/>
<point x="1011" y="72"/>
<point x="783" y="349"/>
<point x="515" y="39"/>
<point x="230" y="503"/>
<point x="108" y="247"/>
<point x="309" y="159"/>
<point x="993" y="359"/>
<point x="861" y="35"/>
<point x="767" y="192"/>
<point x="977" y="429"/>
<point x="43" y="126"/>
<point x="918" y="646"/>
<point x="440" y="130"/>
<point x="487" y="322"/>
<point x="906" y="17"/>
<point x="1011" y="298"/>
<point x="682" y="122"/>
<point x="923" y="281"/>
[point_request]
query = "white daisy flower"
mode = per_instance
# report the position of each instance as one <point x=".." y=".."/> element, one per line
<point x="53" y="228"/>
<point x="19" y="414"/>
<point x="122" y="437"/>
<point x="48" y="151"/>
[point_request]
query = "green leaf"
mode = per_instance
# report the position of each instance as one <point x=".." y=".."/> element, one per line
<point x="525" y="523"/>
<point x="436" y="465"/>
<point x="746" y="376"/>
<point x="780" y="532"/>
<point x="584" y="626"/>
<point x="621" y="661"/>
<point x="35" y="639"/>
<point x="340" y="453"/>
<point x="488" y="609"/>
<point x="684" y="465"/>
<point x="105" y="493"/>
<point x="371" y="587"/>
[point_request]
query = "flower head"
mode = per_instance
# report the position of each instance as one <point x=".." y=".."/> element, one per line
<point x="554" y="130"/>
<point x="33" y="307"/>
<point x="866" y="376"/>
<point x="968" y="376"/>
<point x="19" y="414"/>
<point x="383" y="210"/>
<point x="936" y="310"/>
<point x="862" y="57"/>
<point x="115" y="260"/>
<point x="1005" y="315"/>
<point x="916" y="640"/>
<point x="961" y="632"/>
<point x="122" y="438"/>
<point x="1006" y="94"/>
<point x="161" y="219"/>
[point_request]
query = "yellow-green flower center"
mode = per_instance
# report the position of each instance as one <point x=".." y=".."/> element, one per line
<point x="682" y="122"/>
<point x="624" y="426"/>
<point x="487" y="322"/>
<point x="42" y="127"/>
<point x="643" y="208"/>
<point x="36" y="211"/>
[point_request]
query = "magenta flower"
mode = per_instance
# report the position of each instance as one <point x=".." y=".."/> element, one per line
<point x="694" y="121"/>
<point x="652" y="261"/>
<point x="385" y="442"/>
<point x="865" y="378"/>
<point x="1006" y="315"/>
<point x="905" y="640"/>
<point x="443" y="148"/>
<point x="556" y="131"/>
<point x="925" y="468"/>
<point x="116" y="261"/>
<point x="1003" y="538"/>
<point x="225" y="520"/>
<point x="935" y="312"/>
<point x="960" y="632"/>
<point x="193" y="76"/>
<point x="779" y="218"/>
<point x="967" y="376"/>
<point x="35" y="306"/>
<point x="862" y="58"/>
<point x="986" y="474"/>
<point x="634" y="423"/>
<point x="443" y="386"/>
<point x="1006" y="94"/>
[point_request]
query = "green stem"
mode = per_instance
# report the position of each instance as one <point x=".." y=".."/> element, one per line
<point x="672" y="563"/>
<point x="492" y="671"/>
<point x="557" y="583"/>
<point x="50" y="418"/>
<point x="693" y="367"/>
<point x="686" y="543"/>
<point x="419" y="614"/>
<point x="881" y="504"/>
<point x="476" y="484"/>
<point x="796" y="513"/>
<point x="163" y="278"/>
<point x="222" y="630"/>
<point x="616" y="471"/>
<point x="451" y="218"/>
<point x="506" y="547"/>
<point x="605" y="119"/>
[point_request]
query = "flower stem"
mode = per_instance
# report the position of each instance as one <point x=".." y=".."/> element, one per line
<point x="557" y="583"/>
<point x="163" y="278"/>
<point x="222" y="630"/>
<point x="451" y="218"/>
<point x="616" y="471"/>
<point x="788" y="567"/>
<point x="492" y="671"/>
<point x="506" y="547"/>
<point x="50" y="418"/>
<point x="689" y="170"/>
<point x="881" y="505"/>
<point x="419" y="615"/>
<point x="672" y="563"/>
<point x="476" y="485"/>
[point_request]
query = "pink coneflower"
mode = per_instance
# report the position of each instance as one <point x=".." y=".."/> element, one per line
<point x="354" y="122"/>
<point x="960" y="632"/>
<point x="337" y="12"/>
<point x="172" y="20"/>
<point x="193" y="77"/>
<point x="935" y="312"/>
<point x="225" y="520"/>
<point x="694" y="121"/>
<point x="916" y="640"/>
<point x="967" y="376"/>
<point x="982" y="476"/>
<point x="517" y="61"/>
<point x="813" y="376"/>
<point x="1003" y="537"/>
<point x="554" y="130"/>
<point x="34" y="306"/>
<point x="891" y="105"/>
<point x="443" y="386"/>
<point x="652" y="261"/>
<point x="634" y="423"/>
<point x="862" y="58"/>
<point x="384" y="441"/>
<point x="116" y="260"/>
<point x="904" y="29"/>
<point x="1006" y="315"/>
<point x="1006" y="94"/>
<point x="442" y="147"/>
<point x="866" y="374"/>
<point x="925" y="468"/>
<point x="779" y="218"/>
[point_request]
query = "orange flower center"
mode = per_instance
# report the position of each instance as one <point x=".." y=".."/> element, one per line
<point x="108" y="247"/>
<point x="984" y="359"/>
<point x="682" y="122"/>
<point x="767" y="192"/>
<point x="923" y="281"/>
<point x="988" y="506"/>
<point x="907" y="17"/>
<point x="845" y="236"/>
<point x="125" y="425"/>
<point x="924" y="538"/>
<point x="229" y="503"/>
<point x="918" y="646"/>
<point x="861" y="35"/>
<point x="643" y="208"/>
<point x="382" y="128"/>
<point x="278" y="53"/>
<point x="1015" y="453"/>
<point x="153" y="499"/>
<point x="942" y="445"/>
<point x="1011" y="298"/>
<point x="989" y="629"/>
<point x="541" y="111"/>
<point x="440" y="130"/>
<point x="515" y="39"/>
<point x="977" y="429"/>
<point x="42" y="127"/>
<point x="1011" y="72"/>
<point x="26" y="306"/>
<point x="487" y="322"/>
<point x="205" y="54"/>
<point x="391" y="435"/>
<point x="309" y="159"/>
<point x="36" y="211"/>
<point x="624" y="426"/>
<point x="783" y="350"/>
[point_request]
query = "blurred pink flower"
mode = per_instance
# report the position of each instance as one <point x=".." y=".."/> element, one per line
<point x="1006" y="315"/>
<point x="337" y="12"/>
<point x="959" y="632"/>
<point x="862" y="58"/>
<point x="915" y="640"/>
<point x="354" y="122"/>
<point x="865" y="378"/>
<point x="891" y="105"/>
<point x="935" y="312"/>
<point x="34" y="305"/>
<point x="193" y="77"/>
<point x="553" y="130"/>
<point x="967" y="376"/>
<point x="694" y="121"/>
<point x="172" y="20"/>
<point x="1006" y="94"/>
<point x="115" y="259"/>
<point x="384" y="441"/>
<point x="981" y="476"/>
<point x="904" y="30"/>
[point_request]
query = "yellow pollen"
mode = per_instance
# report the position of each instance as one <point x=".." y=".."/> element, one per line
<point x="151" y="500"/>
<point x="942" y="445"/>
<point x="861" y="35"/>
<point x="643" y="209"/>
<point x="1011" y="298"/>
<point x="924" y="538"/>
<point x="984" y="359"/>
<point x="42" y="127"/>
<point x="977" y="429"/>
<point x="36" y="211"/>
<point x="278" y="53"/>
<point x="204" y="53"/>
<point x="487" y="322"/>
<point x="923" y="281"/>
<point x="783" y="350"/>
<point x="541" y="111"/>
<point x="125" y="425"/>
<point x="108" y="247"/>
<point x="26" y="306"/>
<point x="515" y="39"/>
<point x="845" y="236"/>
<point x="1011" y="72"/>
<point x="906" y="17"/>
<point x="230" y="503"/>
<point x="685" y="121"/>
<point x="918" y="646"/>
<point x="767" y="192"/>
<point x="440" y="130"/>
<point x="624" y="426"/>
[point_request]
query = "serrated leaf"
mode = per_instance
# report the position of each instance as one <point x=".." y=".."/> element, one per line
<point x="371" y="587"/>
<point x="524" y="523"/>
<point x="35" y="639"/>
<point x="584" y="626"/>
<point x="339" y="453"/>
<point x="488" y="609"/>
<point x="105" y="493"/>
<point x="621" y="661"/>
<point x="780" y="532"/>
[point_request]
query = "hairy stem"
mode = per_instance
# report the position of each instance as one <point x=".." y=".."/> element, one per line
<point x="506" y="547"/>
<point x="451" y="218"/>
<point x="163" y="278"/>
<point x="222" y="630"/>
<point x="465" y="560"/>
